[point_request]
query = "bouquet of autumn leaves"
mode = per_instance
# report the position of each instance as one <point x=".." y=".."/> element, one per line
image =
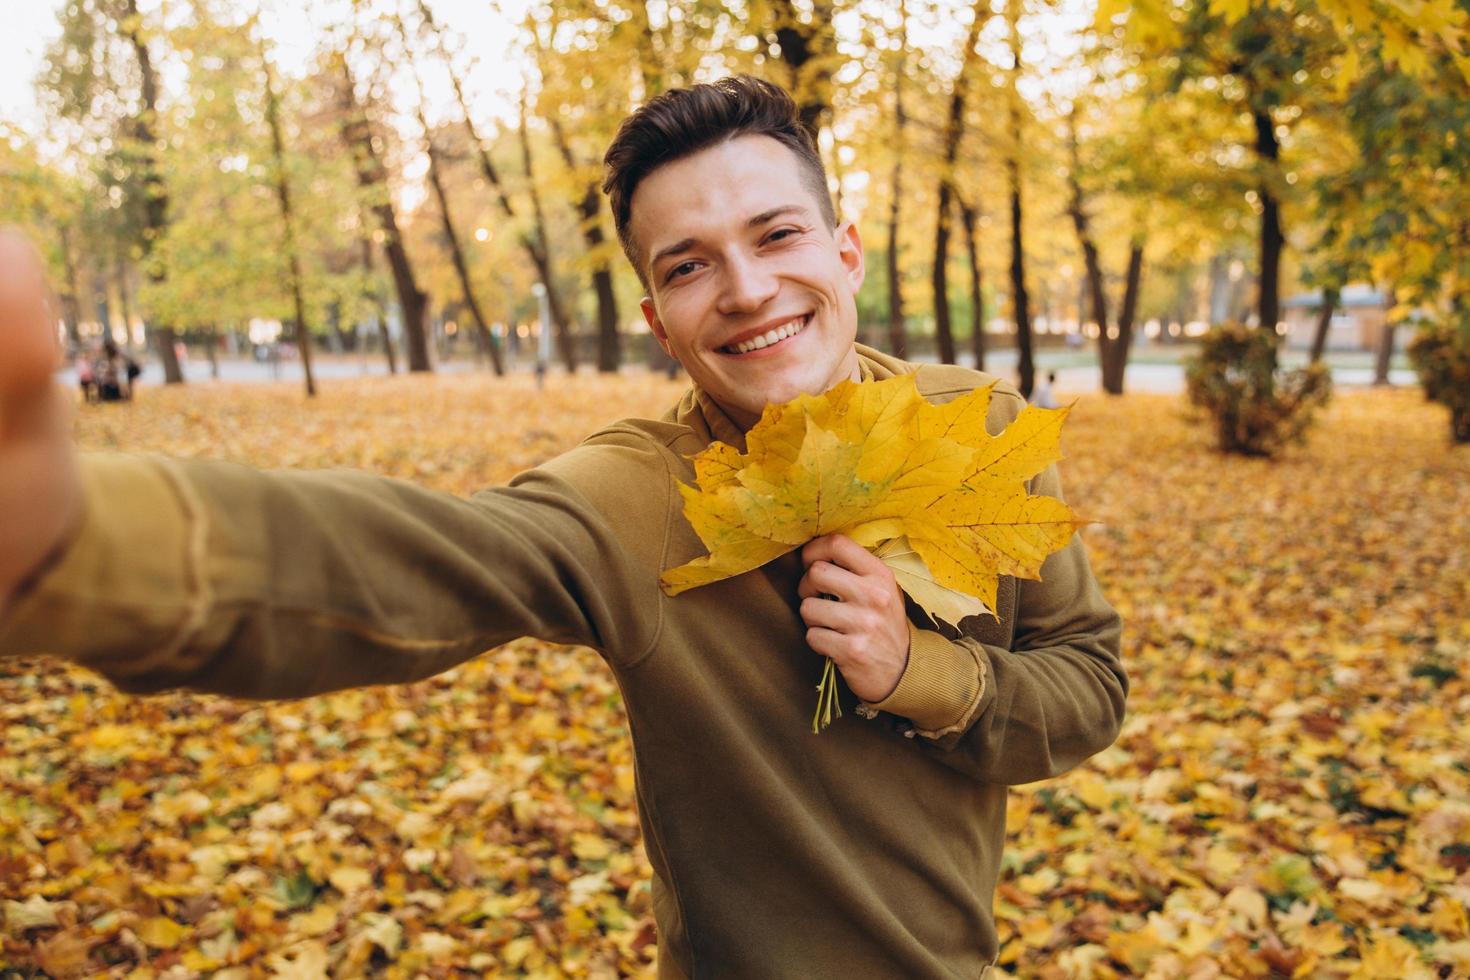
<point x="924" y="487"/>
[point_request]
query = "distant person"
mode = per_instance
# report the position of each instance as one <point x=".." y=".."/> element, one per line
<point x="114" y="373"/>
<point x="86" y="377"/>
<point x="1045" y="394"/>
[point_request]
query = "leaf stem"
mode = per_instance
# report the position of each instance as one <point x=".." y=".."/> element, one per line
<point x="828" y="704"/>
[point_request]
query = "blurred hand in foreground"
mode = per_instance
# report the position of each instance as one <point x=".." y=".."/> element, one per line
<point x="40" y="489"/>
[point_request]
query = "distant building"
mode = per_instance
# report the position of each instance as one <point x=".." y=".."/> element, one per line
<point x="1357" y="323"/>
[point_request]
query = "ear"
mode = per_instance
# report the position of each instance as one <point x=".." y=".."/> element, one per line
<point x="656" y="325"/>
<point x="850" y="253"/>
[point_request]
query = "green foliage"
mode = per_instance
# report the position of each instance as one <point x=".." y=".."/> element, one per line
<point x="1257" y="408"/>
<point x="1440" y="352"/>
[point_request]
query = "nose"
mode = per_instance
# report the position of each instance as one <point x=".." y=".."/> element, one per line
<point x="746" y="286"/>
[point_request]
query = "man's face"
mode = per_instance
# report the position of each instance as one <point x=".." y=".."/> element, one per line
<point x="750" y="291"/>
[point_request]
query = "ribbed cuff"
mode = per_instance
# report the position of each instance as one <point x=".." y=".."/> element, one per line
<point x="939" y="687"/>
<point x="130" y="580"/>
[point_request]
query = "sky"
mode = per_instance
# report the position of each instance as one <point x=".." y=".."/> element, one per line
<point x="30" y="25"/>
<point x="293" y="27"/>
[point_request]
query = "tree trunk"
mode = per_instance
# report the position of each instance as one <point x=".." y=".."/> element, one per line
<point x="155" y="205"/>
<point x="1272" y="238"/>
<point x="954" y="131"/>
<point x="346" y="339"/>
<point x="125" y="302"/>
<point x="375" y="296"/>
<point x="898" y="342"/>
<point x="1384" y="359"/>
<point x="1460" y="424"/>
<point x="1220" y="290"/>
<point x="807" y="49"/>
<point x="650" y="62"/>
<point x="372" y="176"/>
<point x="609" y="343"/>
<point x="1330" y="295"/>
<point x="102" y="303"/>
<point x="977" y="297"/>
<point x="461" y="267"/>
<point x="897" y="335"/>
<point x="564" y="340"/>
<point x="1026" y="367"/>
<point x="71" y="300"/>
<point x="609" y="340"/>
<point x="535" y="250"/>
<point x="939" y="278"/>
<point x="288" y="226"/>
<point x="1116" y="364"/>
<point x="1096" y="296"/>
<point x="451" y="234"/>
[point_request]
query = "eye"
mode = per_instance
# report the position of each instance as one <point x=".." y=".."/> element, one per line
<point x="782" y="232"/>
<point x="682" y="269"/>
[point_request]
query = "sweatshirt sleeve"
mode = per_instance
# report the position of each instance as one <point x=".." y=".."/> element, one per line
<point x="261" y="584"/>
<point x="1034" y="711"/>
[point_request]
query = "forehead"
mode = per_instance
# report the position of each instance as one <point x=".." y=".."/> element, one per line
<point x="715" y="189"/>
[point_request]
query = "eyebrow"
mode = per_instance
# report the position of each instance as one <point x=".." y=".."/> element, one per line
<point x="755" y="222"/>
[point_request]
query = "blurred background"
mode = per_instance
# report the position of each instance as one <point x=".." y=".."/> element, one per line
<point x="1061" y="184"/>
<point x="1257" y="202"/>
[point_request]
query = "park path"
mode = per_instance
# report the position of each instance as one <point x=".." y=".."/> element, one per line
<point x="1072" y="378"/>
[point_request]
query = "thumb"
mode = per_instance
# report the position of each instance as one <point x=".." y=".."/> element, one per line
<point x="29" y="351"/>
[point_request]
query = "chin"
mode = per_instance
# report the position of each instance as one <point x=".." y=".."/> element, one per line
<point x="783" y="391"/>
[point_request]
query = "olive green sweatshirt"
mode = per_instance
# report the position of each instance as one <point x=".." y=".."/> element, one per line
<point x="870" y="850"/>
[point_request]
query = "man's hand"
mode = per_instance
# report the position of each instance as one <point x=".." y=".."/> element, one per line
<point x="864" y="630"/>
<point x="40" y="490"/>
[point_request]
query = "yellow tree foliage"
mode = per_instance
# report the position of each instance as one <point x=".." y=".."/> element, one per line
<point x="1409" y="33"/>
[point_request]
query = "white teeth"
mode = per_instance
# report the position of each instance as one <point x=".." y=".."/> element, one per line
<point x="788" y="329"/>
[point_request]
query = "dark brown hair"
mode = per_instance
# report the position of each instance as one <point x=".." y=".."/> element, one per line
<point x="683" y="121"/>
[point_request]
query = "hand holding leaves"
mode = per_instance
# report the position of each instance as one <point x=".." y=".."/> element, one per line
<point x="855" y="618"/>
<point x="938" y="499"/>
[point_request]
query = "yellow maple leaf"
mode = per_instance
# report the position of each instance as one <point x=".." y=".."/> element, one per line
<point x="161" y="932"/>
<point x="913" y="577"/>
<point x="926" y="487"/>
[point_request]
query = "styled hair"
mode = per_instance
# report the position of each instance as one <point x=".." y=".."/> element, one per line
<point x="683" y="121"/>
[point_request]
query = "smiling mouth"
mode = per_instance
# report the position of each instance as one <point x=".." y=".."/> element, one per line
<point x="775" y="335"/>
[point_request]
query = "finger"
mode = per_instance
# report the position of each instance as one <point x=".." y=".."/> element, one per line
<point x="807" y="587"/>
<point x="818" y="549"/>
<point x="841" y="550"/>
<point x="28" y="343"/>
<point x="842" y="617"/>
<point x="828" y="643"/>
<point x="825" y="578"/>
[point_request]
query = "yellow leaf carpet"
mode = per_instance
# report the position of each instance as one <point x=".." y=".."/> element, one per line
<point x="1290" y="795"/>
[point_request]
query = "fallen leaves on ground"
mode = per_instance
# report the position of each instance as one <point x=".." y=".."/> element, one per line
<point x="1290" y="795"/>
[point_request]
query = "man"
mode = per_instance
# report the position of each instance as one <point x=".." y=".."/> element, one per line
<point x="870" y="850"/>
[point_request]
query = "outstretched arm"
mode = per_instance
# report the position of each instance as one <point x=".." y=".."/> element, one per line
<point x="258" y="584"/>
<point x="162" y="573"/>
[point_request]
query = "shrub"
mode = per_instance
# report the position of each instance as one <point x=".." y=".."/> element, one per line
<point x="1440" y="352"/>
<point x="1257" y="408"/>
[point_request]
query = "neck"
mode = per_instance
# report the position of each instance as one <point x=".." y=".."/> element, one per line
<point x="744" y="418"/>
